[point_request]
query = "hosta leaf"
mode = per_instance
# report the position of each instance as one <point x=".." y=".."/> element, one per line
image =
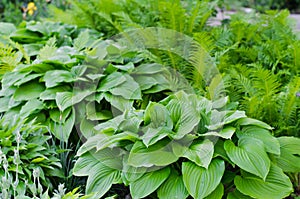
<point x="28" y="91"/>
<point x="50" y="93"/>
<point x="118" y="102"/>
<point x="102" y="168"/>
<point x="128" y="89"/>
<point x="237" y="195"/>
<point x="217" y="193"/>
<point x="219" y="119"/>
<point x="111" y="81"/>
<point x="270" y="142"/>
<point x="30" y="107"/>
<point x="55" y="77"/>
<point x="67" y="99"/>
<point x="145" y="82"/>
<point x="146" y="69"/>
<point x="59" y="116"/>
<point x="276" y="185"/>
<point x="63" y="130"/>
<point x="27" y="78"/>
<point x="200" y="153"/>
<point x="225" y="133"/>
<point x="132" y="121"/>
<point x="184" y="117"/>
<point x="289" y="158"/>
<point x="159" y="154"/>
<point x="249" y="121"/>
<point x="173" y="187"/>
<point x="153" y="135"/>
<point x="250" y="155"/>
<point x="156" y="115"/>
<point x="131" y="173"/>
<point x="201" y="182"/>
<point x="93" y="114"/>
<point x="7" y="28"/>
<point x="148" y="183"/>
<point x="127" y="67"/>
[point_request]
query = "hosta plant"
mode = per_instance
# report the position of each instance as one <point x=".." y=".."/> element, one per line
<point x="187" y="145"/>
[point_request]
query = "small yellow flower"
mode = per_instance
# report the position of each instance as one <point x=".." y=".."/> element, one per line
<point x="31" y="8"/>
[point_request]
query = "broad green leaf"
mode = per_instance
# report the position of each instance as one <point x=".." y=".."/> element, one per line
<point x="128" y="89"/>
<point x="153" y="135"/>
<point x="26" y="79"/>
<point x="82" y="39"/>
<point x="87" y="128"/>
<point x="118" y="102"/>
<point x="30" y="107"/>
<point x="173" y="187"/>
<point x="111" y="81"/>
<point x="50" y="93"/>
<point x="148" y="183"/>
<point x="102" y="141"/>
<point x="289" y="158"/>
<point x="67" y="99"/>
<point x="184" y="116"/>
<point x="9" y="78"/>
<point x="131" y="173"/>
<point x="157" y="115"/>
<point x="217" y="193"/>
<point x="59" y="116"/>
<point x="201" y="182"/>
<point x="237" y="195"/>
<point x="249" y="121"/>
<point x="127" y="67"/>
<point x="270" y="142"/>
<point x="145" y="82"/>
<point x="146" y="69"/>
<point x="55" y="77"/>
<point x="220" y="118"/>
<point x="93" y="114"/>
<point x="200" y="153"/>
<point x="132" y="121"/>
<point x="102" y="168"/>
<point x="249" y="155"/>
<point x="276" y="186"/>
<point x="63" y="130"/>
<point x="28" y="91"/>
<point x="112" y="124"/>
<point x="220" y="103"/>
<point x="226" y="133"/>
<point x="159" y="154"/>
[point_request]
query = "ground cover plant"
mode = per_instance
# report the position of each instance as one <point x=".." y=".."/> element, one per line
<point x="138" y="119"/>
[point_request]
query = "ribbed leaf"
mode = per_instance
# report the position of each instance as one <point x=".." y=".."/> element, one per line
<point x="102" y="168"/>
<point x="55" y="77"/>
<point x="219" y="119"/>
<point x="67" y="99"/>
<point x="276" y="186"/>
<point x="225" y="133"/>
<point x="148" y="183"/>
<point x="159" y="154"/>
<point x="270" y="142"/>
<point x="249" y="121"/>
<point x="173" y="187"/>
<point x="201" y="182"/>
<point x="63" y="130"/>
<point x="184" y="116"/>
<point x="289" y="158"/>
<point x="28" y="91"/>
<point x="200" y="153"/>
<point x="111" y="81"/>
<point x="217" y="193"/>
<point x="249" y="155"/>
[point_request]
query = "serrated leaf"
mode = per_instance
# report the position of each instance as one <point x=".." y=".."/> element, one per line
<point x="270" y="142"/>
<point x="200" y="153"/>
<point x="173" y="187"/>
<point x="28" y="91"/>
<point x="276" y="186"/>
<point x="201" y="182"/>
<point x="148" y="183"/>
<point x="249" y="155"/>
